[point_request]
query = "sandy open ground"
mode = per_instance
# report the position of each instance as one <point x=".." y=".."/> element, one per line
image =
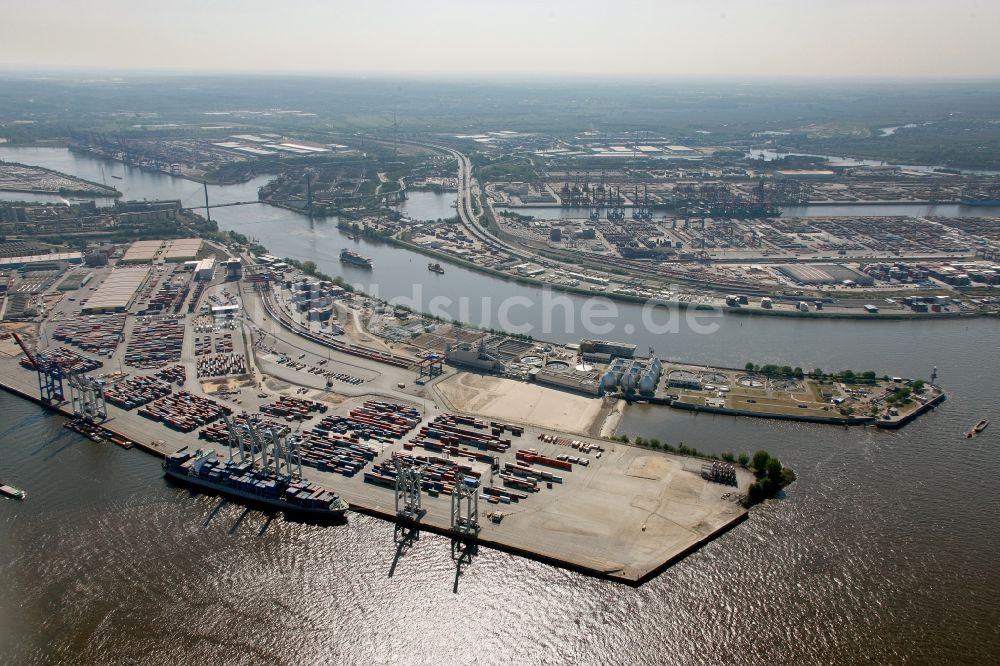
<point x="510" y="400"/>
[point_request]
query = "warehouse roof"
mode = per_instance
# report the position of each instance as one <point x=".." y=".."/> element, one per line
<point x="118" y="290"/>
<point x="12" y="262"/>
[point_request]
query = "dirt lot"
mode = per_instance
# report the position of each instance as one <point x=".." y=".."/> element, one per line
<point x="510" y="400"/>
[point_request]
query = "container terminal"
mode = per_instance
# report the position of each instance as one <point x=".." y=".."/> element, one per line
<point x="490" y="440"/>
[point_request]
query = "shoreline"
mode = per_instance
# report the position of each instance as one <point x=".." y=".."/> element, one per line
<point x="590" y="293"/>
<point x="102" y="191"/>
<point x="616" y="413"/>
<point x="627" y="298"/>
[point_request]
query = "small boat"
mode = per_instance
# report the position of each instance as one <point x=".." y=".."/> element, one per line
<point x="976" y="429"/>
<point x="13" y="493"/>
<point x="435" y="268"/>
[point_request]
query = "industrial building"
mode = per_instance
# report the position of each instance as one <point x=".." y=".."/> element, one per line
<point x="234" y="268"/>
<point x="602" y="351"/>
<point x="225" y="310"/>
<point x="684" y="379"/>
<point x="529" y="270"/>
<point x="205" y="270"/>
<point x="477" y="357"/>
<point x="76" y="280"/>
<point x="118" y="291"/>
<point x="26" y="262"/>
<point x="182" y="249"/>
<point x="148" y="251"/>
<point x="138" y="213"/>
<point x="825" y="274"/>
<point x="632" y="375"/>
<point x="584" y="381"/>
<point x="141" y="252"/>
<point x="320" y="314"/>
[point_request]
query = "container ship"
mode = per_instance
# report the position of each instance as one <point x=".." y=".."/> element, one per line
<point x="435" y="268"/>
<point x="743" y="211"/>
<point x="980" y="201"/>
<point x="247" y="481"/>
<point x="980" y="196"/>
<point x="349" y="257"/>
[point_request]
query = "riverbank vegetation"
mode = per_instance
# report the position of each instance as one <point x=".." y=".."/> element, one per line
<point x="961" y="142"/>
<point x="771" y="475"/>
<point x="845" y="376"/>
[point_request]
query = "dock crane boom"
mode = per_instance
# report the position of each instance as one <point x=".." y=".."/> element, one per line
<point x="27" y="352"/>
<point x="50" y="374"/>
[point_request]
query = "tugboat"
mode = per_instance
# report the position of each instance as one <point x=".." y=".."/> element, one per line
<point x="350" y="257"/>
<point x="435" y="268"/>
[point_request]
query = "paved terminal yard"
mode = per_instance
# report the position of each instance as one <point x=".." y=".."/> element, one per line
<point x="623" y="514"/>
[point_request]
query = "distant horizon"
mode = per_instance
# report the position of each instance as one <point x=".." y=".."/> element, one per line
<point x="731" y="39"/>
<point x="43" y="72"/>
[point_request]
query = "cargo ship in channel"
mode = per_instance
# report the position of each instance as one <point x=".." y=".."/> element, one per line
<point x="981" y="201"/>
<point x="251" y="483"/>
<point x="350" y="257"/>
<point x="980" y="196"/>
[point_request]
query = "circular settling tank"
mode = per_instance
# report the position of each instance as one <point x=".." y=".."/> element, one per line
<point x="750" y="381"/>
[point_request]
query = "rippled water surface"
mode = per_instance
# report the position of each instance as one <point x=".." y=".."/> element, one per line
<point x="885" y="551"/>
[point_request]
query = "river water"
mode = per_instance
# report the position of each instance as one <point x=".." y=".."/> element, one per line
<point x="884" y="551"/>
<point x="768" y="154"/>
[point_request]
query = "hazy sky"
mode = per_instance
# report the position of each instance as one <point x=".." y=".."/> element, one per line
<point x="909" y="38"/>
